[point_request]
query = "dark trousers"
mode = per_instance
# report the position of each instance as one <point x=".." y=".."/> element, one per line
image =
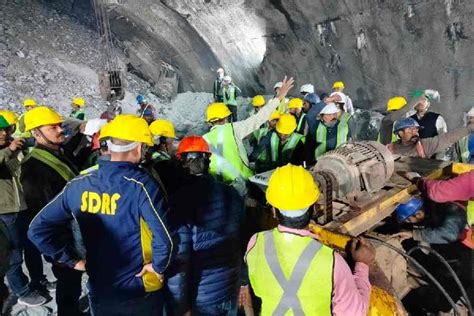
<point x="233" y="109"/>
<point x="68" y="290"/>
<point x="33" y="258"/>
<point x="149" y="305"/>
<point x="17" y="280"/>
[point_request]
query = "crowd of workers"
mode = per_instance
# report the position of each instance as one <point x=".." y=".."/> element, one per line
<point x="160" y="229"/>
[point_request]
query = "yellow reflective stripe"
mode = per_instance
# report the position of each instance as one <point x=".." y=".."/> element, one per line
<point x="52" y="161"/>
<point x="470" y="213"/>
<point x="464" y="149"/>
<point x="321" y="135"/>
<point x="342" y="132"/>
<point x="300" y="122"/>
<point x="157" y="215"/>
<point x="90" y="169"/>
<point x="151" y="282"/>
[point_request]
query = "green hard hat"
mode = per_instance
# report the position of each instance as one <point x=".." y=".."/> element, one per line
<point x="418" y="93"/>
<point x="3" y="122"/>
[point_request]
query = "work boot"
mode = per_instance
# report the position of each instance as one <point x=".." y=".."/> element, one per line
<point x="32" y="299"/>
<point x="48" y="286"/>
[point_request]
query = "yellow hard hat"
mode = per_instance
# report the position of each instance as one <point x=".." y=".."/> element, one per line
<point x="41" y="116"/>
<point x="338" y="85"/>
<point x="286" y="124"/>
<point x="396" y="103"/>
<point x="79" y="102"/>
<point x="217" y="111"/>
<point x="162" y="128"/>
<point x="128" y="127"/>
<point x="291" y="188"/>
<point x="29" y="102"/>
<point x="295" y="103"/>
<point x="258" y="100"/>
<point x="275" y="115"/>
<point x="9" y="116"/>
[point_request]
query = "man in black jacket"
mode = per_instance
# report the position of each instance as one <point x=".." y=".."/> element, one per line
<point x="44" y="173"/>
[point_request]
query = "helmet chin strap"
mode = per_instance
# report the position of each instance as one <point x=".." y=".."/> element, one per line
<point x="48" y="141"/>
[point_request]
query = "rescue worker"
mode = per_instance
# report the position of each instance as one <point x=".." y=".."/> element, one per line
<point x="121" y="214"/>
<point x="331" y="132"/>
<point x="48" y="160"/>
<point x="295" y="108"/>
<point x="306" y="88"/>
<point x="146" y="110"/>
<point x="410" y="144"/>
<point x="396" y="110"/>
<point x="282" y="146"/>
<point x="205" y="276"/>
<point x="12" y="204"/>
<point x="217" y="86"/>
<point x="312" y="106"/>
<point x="433" y="123"/>
<point x="257" y="102"/>
<point x="267" y="127"/>
<point x="28" y="104"/>
<point x="465" y="146"/>
<point x="229" y="161"/>
<point x="283" y="103"/>
<point x="340" y="98"/>
<point x="229" y="96"/>
<point x="441" y="226"/>
<point x="78" y="105"/>
<point x="164" y="136"/>
<point x="290" y="270"/>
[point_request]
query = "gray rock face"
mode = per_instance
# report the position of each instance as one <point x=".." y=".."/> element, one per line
<point x="378" y="48"/>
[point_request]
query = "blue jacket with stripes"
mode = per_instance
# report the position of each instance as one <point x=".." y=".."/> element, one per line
<point x="122" y="214"/>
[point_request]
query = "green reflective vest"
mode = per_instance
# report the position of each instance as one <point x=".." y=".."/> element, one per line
<point x="345" y="117"/>
<point x="301" y="124"/>
<point x="463" y="143"/>
<point x="321" y="137"/>
<point x="259" y="134"/>
<point x="276" y="159"/>
<point x="394" y="137"/>
<point x="293" y="275"/>
<point x="78" y="114"/>
<point x="229" y="96"/>
<point x="283" y="106"/>
<point x="470" y="213"/>
<point x="226" y="162"/>
<point x="159" y="155"/>
<point x="52" y="161"/>
<point x="20" y="128"/>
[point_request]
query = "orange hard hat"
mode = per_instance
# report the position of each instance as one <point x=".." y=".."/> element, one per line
<point x="95" y="143"/>
<point x="193" y="144"/>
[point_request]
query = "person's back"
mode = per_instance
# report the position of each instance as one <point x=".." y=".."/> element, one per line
<point x="109" y="214"/>
<point x="212" y="212"/>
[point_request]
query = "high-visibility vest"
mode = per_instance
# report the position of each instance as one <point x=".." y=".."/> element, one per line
<point x="394" y="137"/>
<point x="464" y="149"/>
<point x="160" y="156"/>
<point x="301" y="124"/>
<point x="287" y="151"/>
<point x="20" y="128"/>
<point x="321" y="137"/>
<point x="52" y="161"/>
<point x="259" y="134"/>
<point x="470" y="213"/>
<point x="226" y="162"/>
<point x="293" y="275"/>
<point x="78" y="114"/>
<point x="345" y="117"/>
<point x="230" y="92"/>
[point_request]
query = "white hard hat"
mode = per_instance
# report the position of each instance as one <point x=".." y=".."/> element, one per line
<point x="220" y="70"/>
<point x="330" y="108"/>
<point x="341" y="95"/>
<point x="279" y="84"/>
<point x="308" y="88"/>
<point x="93" y="126"/>
<point x="471" y="112"/>
<point x="227" y="79"/>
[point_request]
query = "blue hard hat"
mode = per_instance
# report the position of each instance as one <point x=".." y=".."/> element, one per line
<point x="312" y="98"/>
<point x="405" y="210"/>
<point x="140" y="99"/>
<point x="406" y="123"/>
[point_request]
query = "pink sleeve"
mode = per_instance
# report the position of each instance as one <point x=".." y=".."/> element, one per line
<point x="460" y="188"/>
<point x="351" y="292"/>
<point x="250" y="245"/>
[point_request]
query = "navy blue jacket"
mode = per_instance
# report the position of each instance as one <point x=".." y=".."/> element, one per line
<point x="113" y="206"/>
<point x="207" y="216"/>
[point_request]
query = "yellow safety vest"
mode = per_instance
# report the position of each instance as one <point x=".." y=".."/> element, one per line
<point x="321" y="137"/>
<point x="20" y="128"/>
<point x="293" y="275"/>
<point x="394" y="137"/>
<point x="226" y="162"/>
<point x="231" y="92"/>
<point x="52" y="161"/>
<point x="470" y="213"/>
<point x="259" y="134"/>
<point x="464" y="149"/>
<point x="300" y="128"/>
<point x="287" y="151"/>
